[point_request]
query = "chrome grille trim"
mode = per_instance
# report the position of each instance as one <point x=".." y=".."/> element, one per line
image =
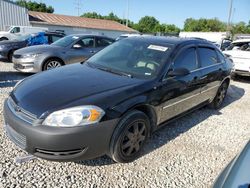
<point x="21" y="113"/>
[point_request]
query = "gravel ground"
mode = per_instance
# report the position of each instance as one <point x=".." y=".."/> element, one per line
<point x="190" y="152"/>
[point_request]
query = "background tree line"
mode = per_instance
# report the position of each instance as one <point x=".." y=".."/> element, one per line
<point x="149" y="24"/>
<point x="34" y="6"/>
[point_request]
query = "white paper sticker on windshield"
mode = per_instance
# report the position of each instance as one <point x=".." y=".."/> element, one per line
<point x="75" y="37"/>
<point x="159" y="48"/>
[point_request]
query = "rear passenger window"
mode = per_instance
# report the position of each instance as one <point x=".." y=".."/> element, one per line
<point x="187" y="59"/>
<point x="102" y="42"/>
<point x="207" y="56"/>
<point x="221" y="57"/>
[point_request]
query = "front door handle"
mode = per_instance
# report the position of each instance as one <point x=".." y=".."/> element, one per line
<point x="92" y="51"/>
<point x="204" y="77"/>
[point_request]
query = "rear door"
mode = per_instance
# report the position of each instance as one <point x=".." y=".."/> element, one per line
<point x="211" y="71"/>
<point x="181" y="93"/>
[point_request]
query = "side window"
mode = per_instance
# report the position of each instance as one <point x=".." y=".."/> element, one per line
<point x="15" y="30"/>
<point x="186" y="59"/>
<point x="207" y="56"/>
<point x="86" y="42"/>
<point x="54" y="38"/>
<point x="102" y="42"/>
<point x="221" y="57"/>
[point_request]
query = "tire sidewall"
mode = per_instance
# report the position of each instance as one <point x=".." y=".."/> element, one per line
<point x="115" y="148"/>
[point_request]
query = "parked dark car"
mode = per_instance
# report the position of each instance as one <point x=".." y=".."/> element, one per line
<point x="114" y="101"/>
<point x="68" y="50"/>
<point x="237" y="173"/>
<point x="8" y="47"/>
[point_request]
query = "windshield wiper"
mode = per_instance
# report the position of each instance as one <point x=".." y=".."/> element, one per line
<point x="109" y="70"/>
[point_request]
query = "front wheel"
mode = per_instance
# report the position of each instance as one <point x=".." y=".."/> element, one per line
<point x="220" y="96"/>
<point x="52" y="64"/>
<point x="129" y="137"/>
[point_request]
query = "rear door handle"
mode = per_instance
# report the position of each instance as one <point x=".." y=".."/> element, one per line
<point x="92" y="51"/>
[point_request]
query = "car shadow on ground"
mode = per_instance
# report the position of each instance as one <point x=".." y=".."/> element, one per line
<point x="172" y="130"/>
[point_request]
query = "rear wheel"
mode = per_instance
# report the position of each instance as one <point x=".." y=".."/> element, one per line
<point x="220" y="96"/>
<point x="52" y="64"/>
<point x="129" y="137"/>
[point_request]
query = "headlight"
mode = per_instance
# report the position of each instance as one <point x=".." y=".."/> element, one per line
<point x="30" y="55"/>
<point x="76" y="116"/>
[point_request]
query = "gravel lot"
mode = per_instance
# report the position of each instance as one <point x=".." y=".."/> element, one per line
<point x="190" y="152"/>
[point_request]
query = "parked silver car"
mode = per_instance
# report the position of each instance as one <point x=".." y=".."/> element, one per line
<point x="70" y="49"/>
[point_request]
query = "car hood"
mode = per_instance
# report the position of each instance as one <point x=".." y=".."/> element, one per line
<point x="3" y="32"/>
<point x="54" y="89"/>
<point x="37" y="49"/>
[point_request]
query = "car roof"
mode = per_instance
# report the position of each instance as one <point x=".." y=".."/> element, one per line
<point x="171" y="40"/>
<point x="89" y="35"/>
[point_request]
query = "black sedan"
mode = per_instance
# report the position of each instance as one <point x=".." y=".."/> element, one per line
<point x="112" y="103"/>
<point x="8" y="47"/>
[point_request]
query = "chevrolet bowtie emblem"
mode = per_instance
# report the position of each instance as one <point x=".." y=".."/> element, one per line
<point x="17" y="109"/>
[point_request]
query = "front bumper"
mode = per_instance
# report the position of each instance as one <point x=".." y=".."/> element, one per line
<point x="26" y="65"/>
<point x="58" y="144"/>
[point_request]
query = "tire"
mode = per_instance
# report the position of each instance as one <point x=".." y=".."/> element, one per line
<point x="10" y="56"/>
<point x="220" y="96"/>
<point x="52" y="63"/>
<point x="129" y="137"/>
<point x="3" y="38"/>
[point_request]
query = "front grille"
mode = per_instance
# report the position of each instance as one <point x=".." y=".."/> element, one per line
<point x="20" y="112"/>
<point x="17" y="138"/>
<point x="17" y="56"/>
<point x="59" y="153"/>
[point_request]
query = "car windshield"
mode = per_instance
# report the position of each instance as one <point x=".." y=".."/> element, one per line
<point x="65" y="41"/>
<point x="134" y="58"/>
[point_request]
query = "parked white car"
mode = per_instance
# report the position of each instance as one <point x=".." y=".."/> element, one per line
<point x="17" y="31"/>
<point x="239" y="53"/>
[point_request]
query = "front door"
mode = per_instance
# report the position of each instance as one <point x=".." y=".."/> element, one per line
<point x="85" y="50"/>
<point x="181" y="93"/>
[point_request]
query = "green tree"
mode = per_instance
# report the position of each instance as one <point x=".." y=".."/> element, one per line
<point x="204" y="25"/>
<point x="92" y="15"/>
<point x="171" y="28"/>
<point x="147" y="24"/>
<point x="34" y="6"/>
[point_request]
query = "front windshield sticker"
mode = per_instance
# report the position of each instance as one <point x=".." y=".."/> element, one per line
<point x="75" y="37"/>
<point x="159" y="48"/>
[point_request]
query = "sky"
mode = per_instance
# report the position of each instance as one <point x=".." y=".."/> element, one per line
<point x="166" y="11"/>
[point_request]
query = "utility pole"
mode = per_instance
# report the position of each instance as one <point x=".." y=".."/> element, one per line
<point x="127" y="13"/>
<point x="229" y="15"/>
<point x="78" y="4"/>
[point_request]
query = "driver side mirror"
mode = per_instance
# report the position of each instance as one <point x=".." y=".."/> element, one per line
<point x="77" y="46"/>
<point x="179" y="72"/>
